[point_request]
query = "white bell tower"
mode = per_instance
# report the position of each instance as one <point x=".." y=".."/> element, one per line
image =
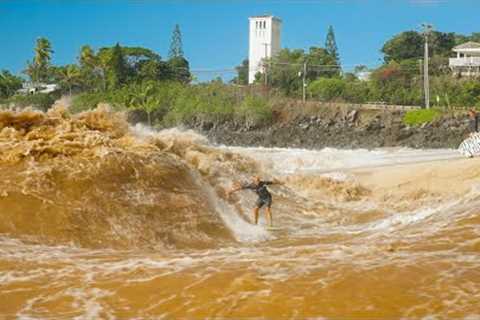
<point x="264" y="42"/>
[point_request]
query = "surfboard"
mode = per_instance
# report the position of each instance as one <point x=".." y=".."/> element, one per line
<point x="470" y="147"/>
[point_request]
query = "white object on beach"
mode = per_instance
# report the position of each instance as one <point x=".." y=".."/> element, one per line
<point x="470" y="147"/>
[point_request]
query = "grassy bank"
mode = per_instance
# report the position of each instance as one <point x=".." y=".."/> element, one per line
<point x="419" y="117"/>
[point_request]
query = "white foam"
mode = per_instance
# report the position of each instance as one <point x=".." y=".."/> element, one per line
<point x="172" y="134"/>
<point x="283" y="161"/>
<point x="336" y="176"/>
<point x="242" y="230"/>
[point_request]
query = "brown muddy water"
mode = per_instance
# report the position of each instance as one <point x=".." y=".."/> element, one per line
<point x="100" y="220"/>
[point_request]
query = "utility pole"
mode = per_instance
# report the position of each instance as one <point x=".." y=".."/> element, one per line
<point x="427" y="28"/>
<point x="265" y="67"/>
<point x="304" y="82"/>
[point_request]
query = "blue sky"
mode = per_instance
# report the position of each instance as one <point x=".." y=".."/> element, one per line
<point x="215" y="32"/>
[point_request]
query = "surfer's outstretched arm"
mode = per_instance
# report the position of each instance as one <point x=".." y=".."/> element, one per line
<point x="274" y="181"/>
<point x="237" y="187"/>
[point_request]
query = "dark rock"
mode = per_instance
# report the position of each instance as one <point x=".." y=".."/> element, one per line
<point x="345" y="130"/>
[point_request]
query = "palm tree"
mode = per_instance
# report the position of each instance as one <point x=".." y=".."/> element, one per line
<point x="43" y="52"/>
<point x="69" y="76"/>
<point x="31" y="71"/>
<point x="38" y="68"/>
<point x="144" y="98"/>
<point x="87" y="58"/>
<point x="91" y="67"/>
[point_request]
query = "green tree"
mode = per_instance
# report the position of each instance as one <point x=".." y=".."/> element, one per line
<point x="69" y="76"/>
<point x="320" y="63"/>
<point x="153" y="70"/>
<point x="141" y="64"/>
<point x="135" y="57"/>
<point x="179" y="69"/>
<point x="87" y="58"/>
<point x="176" y="46"/>
<point x="117" y="70"/>
<point x="242" y="73"/>
<point x="92" y="72"/>
<point x="410" y="45"/>
<point x="460" y="38"/>
<point x="284" y="71"/>
<point x="9" y="84"/>
<point x="144" y="64"/>
<point x="286" y="68"/>
<point x="331" y="45"/>
<point x="397" y="83"/>
<point x="38" y="69"/>
<point x="475" y="37"/>
<point x="406" y="45"/>
<point x="143" y="97"/>
<point x="442" y="43"/>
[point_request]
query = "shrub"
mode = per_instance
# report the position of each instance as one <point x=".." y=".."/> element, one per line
<point x="183" y="109"/>
<point x="327" y="89"/>
<point x="118" y="99"/>
<point x="212" y="101"/>
<point x="86" y="101"/>
<point x="40" y="101"/>
<point x="255" y="109"/>
<point x="356" y="91"/>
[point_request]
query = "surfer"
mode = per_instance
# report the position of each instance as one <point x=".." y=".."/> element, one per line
<point x="264" y="196"/>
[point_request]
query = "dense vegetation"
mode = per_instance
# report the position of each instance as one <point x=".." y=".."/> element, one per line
<point x="137" y="78"/>
<point x="170" y="102"/>
<point x="399" y="80"/>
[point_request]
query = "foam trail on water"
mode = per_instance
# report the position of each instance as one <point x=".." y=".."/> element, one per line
<point x="242" y="230"/>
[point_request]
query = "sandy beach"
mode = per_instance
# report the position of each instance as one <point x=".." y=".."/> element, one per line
<point x="414" y="184"/>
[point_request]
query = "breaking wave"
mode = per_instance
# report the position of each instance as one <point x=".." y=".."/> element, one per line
<point x="90" y="180"/>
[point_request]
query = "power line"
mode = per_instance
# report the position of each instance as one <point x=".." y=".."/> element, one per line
<point x="314" y="67"/>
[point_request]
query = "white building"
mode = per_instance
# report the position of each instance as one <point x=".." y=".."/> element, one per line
<point x="467" y="62"/>
<point x="364" y="75"/>
<point x="264" y="42"/>
<point x="30" y="88"/>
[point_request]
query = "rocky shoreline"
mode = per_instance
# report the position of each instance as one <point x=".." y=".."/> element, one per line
<point x="352" y="129"/>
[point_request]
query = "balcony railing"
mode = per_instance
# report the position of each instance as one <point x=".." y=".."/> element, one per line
<point x="465" y="62"/>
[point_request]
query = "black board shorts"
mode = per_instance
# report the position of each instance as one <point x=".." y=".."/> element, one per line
<point x="264" y="201"/>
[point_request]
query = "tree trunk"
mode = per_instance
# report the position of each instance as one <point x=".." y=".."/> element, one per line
<point x="148" y="117"/>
